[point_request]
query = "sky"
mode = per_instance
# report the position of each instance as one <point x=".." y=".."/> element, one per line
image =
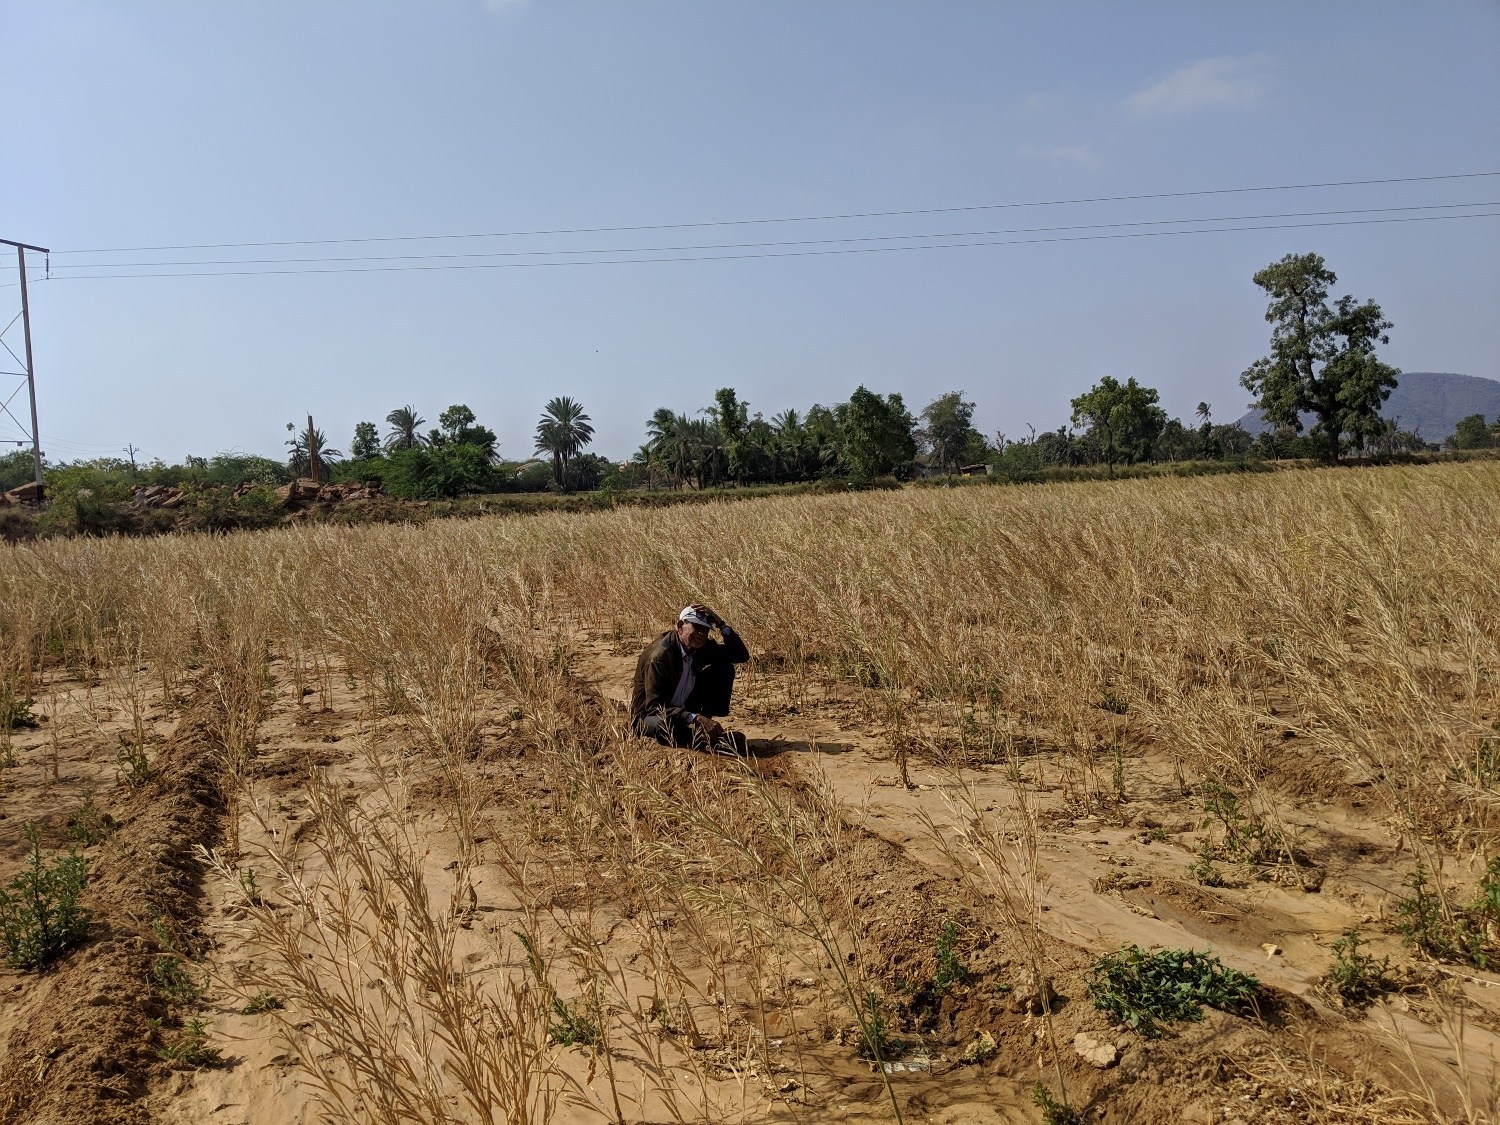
<point x="351" y="135"/>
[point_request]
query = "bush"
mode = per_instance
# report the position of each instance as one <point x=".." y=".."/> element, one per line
<point x="83" y="511"/>
<point x="534" y="478"/>
<point x="16" y="468"/>
<point x="1447" y="931"/>
<point x="17" y="525"/>
<point x="1357" y="979"/>
<point x="950" y="969"/>
<point x="1139" y="988"/>
<point x="15" y="708"/>
<point x="191" y="1048"/>
<point x="1054" y="1112"/>
<point x="218" y="509"/>
<point x="174" y="980"/>
<point x="436" y="473"/>
<point x="90" y="824"/>
<point x="40" y="918"/>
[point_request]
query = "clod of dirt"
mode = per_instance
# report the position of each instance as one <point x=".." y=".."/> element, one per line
<point x="1033" y="996"/>
<point x="1100" y="1054"/>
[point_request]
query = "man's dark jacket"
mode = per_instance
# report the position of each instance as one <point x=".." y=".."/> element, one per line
<point x="659" y="670"/>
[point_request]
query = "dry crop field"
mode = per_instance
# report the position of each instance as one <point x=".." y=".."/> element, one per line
<point x="344" y="825"/>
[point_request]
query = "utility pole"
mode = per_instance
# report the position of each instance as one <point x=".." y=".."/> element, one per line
<point x="30" y="373"/>
<point x="314" y="463"/>
<point x="131" y="451"/>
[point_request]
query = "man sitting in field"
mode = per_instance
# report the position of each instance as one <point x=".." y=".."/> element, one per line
<point x="683" y="681"/>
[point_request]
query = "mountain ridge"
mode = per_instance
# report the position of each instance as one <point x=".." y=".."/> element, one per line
<point x="1428" y="402"/>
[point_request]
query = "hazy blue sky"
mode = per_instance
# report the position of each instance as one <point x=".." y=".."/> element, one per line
<point x="169" y="124"/>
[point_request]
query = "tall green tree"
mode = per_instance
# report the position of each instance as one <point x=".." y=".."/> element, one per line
<point x="457" y="426"/>
<point x="1322" y="359"/>
<point x="822" y="441"/>
<point x="732" y="417"/>
<point x="878" y="435"/>
<point x="755" y="455"/>
<point x="406" y="426"/>
<point x="948" y="435"/>
<point x="1471" y="433"/>
<point x="16" y="468"/>
<point x="366" y="443"/>
<point x="730" y="413"/>
<point x="563" y="432"/>
<point x="1177" y="443"/>
<point x="1122" y="418"/>
<point x="455" y="420"/>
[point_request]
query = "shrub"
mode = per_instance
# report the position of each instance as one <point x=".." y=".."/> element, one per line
<point x="15" y="710"/>
<point x="1139" y="988"/>
<point x="262" y="1002"/>
<point x="191" y="1049"/>
<point x="218" y="509"/>
<point x="877" y="1042"/>
<point x="950" y="969"/>
<point x="1441" y="930"/>
<point x="89" y="824"/>
<point x="436" y="472"/>
<point x="1448" y="931"/>
<point x="175" y="981"/>
<point x="1054" y="1112"/>
<point x="40" y="918"/>
<point x="573" y="1022"/>
<point x="1357" y="979"/>
<point x="134" y="765"/>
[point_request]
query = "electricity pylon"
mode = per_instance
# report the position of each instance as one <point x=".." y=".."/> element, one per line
<point x="28" y="373"/>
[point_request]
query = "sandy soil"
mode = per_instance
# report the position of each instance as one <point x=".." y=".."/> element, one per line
<point x="84" y="1040"/>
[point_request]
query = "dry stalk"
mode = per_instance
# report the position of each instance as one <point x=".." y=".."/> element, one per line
<point x="999" y="860"/>
<point x="382" y="1019"/>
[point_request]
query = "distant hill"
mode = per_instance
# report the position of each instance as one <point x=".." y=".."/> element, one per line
<point x="1429" y="402"/>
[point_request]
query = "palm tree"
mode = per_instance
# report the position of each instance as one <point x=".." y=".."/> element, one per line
<point x="1203" y="412"/>
<point x="663" y="430"/>
<point x="299" y="457"/>
<point x="660" y="425"/>
<point x="682" y="450"/>
<point x="787" y="450"/>
<point x="405" y="423"/>
<point x="698" y="450"/>
<point x="563" y="431"/>
<point x="645" y="457"/>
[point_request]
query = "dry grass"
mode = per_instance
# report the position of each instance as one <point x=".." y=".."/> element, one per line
<point x="1267" y="634"/>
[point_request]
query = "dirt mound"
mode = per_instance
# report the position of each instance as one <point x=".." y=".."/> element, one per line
<point x="88" y="1047"/>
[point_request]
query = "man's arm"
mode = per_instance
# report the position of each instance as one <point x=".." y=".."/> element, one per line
<point x="734" y="645"/>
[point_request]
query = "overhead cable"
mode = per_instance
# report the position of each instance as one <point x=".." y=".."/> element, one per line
<point x="779" y="253"/>
<point x="799" y="218"/>
<point x="765" y="245"/>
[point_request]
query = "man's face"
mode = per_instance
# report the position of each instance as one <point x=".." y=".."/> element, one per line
<point x="693" y="637"/>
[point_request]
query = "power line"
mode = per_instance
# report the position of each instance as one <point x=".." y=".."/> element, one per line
<point x="763" y="245"/>
<point x="797" y="218"/>
<point x="776" y="254"/>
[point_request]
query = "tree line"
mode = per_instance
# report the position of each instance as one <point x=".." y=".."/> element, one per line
<point x="1322" y="365"/>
